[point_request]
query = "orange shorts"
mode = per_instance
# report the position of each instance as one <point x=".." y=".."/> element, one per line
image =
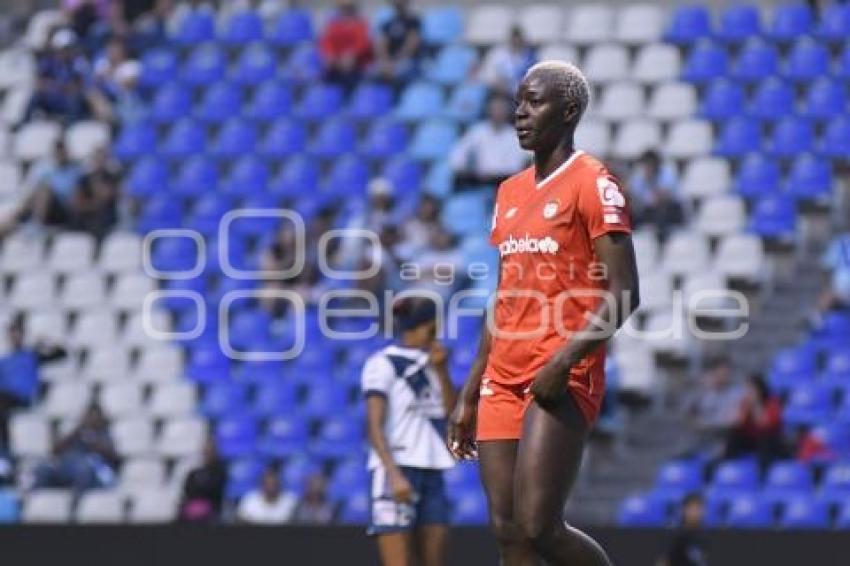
<point x="502" y="406"/>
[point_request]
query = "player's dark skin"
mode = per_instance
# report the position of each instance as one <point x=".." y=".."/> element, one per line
<point x="528" y="481"/>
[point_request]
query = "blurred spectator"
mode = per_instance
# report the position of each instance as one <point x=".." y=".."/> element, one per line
<point x="812" y="447"/>
<point x="83" y="15"/>
<point x="61" y="88"/>
<point x="107" y="64"/>
<point x="84" y="459"/>
<point x="126" y="104"/>
<point x="688" y="547"/>
<point x="505" y="65"/>
<point x="419" y="230"/>
<point x="489" y="151"/>
<point x="203" y="489"/>
<point x="378" y="212"/>
<point x="713" y="408"/>
<point x="653" y="186"/>
<point x="19" y="380"/>
<point x="836" y="264"/>
<point x="268" y="505"/>
<point x="437" y="267"/>
<point x="399" y="45"/>
<point x="314" y="507"/>
<point x="94" y="204"/>
<point x="758" y="429"/>
<point x="345" y="45"/>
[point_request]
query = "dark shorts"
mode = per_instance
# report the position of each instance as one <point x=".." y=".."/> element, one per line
<point x="431" y="506"/>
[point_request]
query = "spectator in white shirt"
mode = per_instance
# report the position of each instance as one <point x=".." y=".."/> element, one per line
<point x="268" y="505"/>
<point x="489" y="151"/>
<point x="505" y="65"/>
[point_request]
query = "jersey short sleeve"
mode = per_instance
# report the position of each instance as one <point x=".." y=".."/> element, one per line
<point x="494" y="220"/>
<point x="377" y="376"/>
<point x="602" y="205"/>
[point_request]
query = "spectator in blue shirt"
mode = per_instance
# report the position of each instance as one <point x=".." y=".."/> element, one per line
<point x="836" y="263"/>
<point x="653" y="187"/>
<point x="19" y="381"/>
<point x="399" y="46"/>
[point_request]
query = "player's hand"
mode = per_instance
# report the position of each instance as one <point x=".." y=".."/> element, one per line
<point x="461" y="434"/>
<point x="550" y="384"/>
<point x="439" y="356"/>
<point x="400" y="486"/>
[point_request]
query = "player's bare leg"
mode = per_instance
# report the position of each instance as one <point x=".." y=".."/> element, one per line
<point x="548" y="461"/>
<point x="396" y="549"/>
<point x="498" y="460"/>
<point x="431" y="540"/>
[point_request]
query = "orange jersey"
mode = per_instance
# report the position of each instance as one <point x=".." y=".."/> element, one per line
<point x="550" y="275"/>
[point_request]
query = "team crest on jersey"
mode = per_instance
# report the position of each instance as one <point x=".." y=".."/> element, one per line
<point x="550" y="209"/>
<point x="609" y="193"/>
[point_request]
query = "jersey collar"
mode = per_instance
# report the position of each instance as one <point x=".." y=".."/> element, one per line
<point x="563" y="167"/>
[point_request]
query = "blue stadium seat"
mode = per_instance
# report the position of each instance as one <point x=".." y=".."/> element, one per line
<point x="243" y="476"/>
<point x="835" y="483"/>
<point x="370" y="100"/>
<point x="355" y="509"/>
<point x="385" y="139"/>
<point x="739" y="22"/>
<point x="186" y="137"/>
<point x="834" y="332"/>
<point x="723" y="99"/>
<point x="707" y="61"/>
<point x="738" y="136"/>
<point x="221" y="101"/>
<point x="688" y="24"/>
<point x="158" y="212"/>
<point x="807" y="61"/>
<point x="810" y="179"/>
<point x="749" y="511"/>
<point x="197" y="176"/>
<point x="433" y="140"/>
<point x="452" y="64"/>
<point x="404" y="174"/>
<point x="286" y="435"/>
<point x="798" y="362"/>
<point x="757" y="61"/>
<point x="275" y="397"/>
<point x="338" y="437"/>
<point x="804" y="513"/>
<point x="9" y="507"/>
<point x="284" y="137"/>
<point x="826" y="99"/>
<point x="808" y="404"/>
<point x="842" y="517"/>
<point x="159" y="66"/>
<point x="242" y="27"/>
<point x="336" y="136"/>
<point x="791" y="21"/>
<point x="174" y="254"/>
<point x="222" y="399"/>
<point x="236" y="437"/>
<point x="148" y="176"/>
<point x="348" y="176"/>
<point x="419" y="101"/>
<point x="470" y="508"/>
<point x="291" y="28"/>
<point x="323" y="399"/>
<point x="642" y="511"/>
<point x="208" y="364"/>
<point x="838" y="365"/>
<point x="196" y="26"/>
<point x="834" y="22"/>
<point x="300" y="175"/>
<point x="835" y="142"/>
<point x="249" y="328"/>
<point x="772" y="100"/>
<point x="134" y="140"/>
<point x="467" y="213"/>
<point x="178" y="304"/>
<point x="298" y="471"/>
<point x="171" y="102"/>
<point x="735" y="476"/>
<point x="208" y="211"/>
<point x="248" y="176"/>
<point x="683" y="475"/>
<point x="442" y="25"/>
<point x="466" y="102"/>
<point x="271" y="100"/>
<point x="319" y="102"/>
<point x="304" y="64"/>
<point x="792" y="136"/>
<point x="774" y="217"/>
<point x="439" y="181"/>
<point x="787" y="478"/>
<point x="255" y="64"/>
<point x="206" y="64"/>
<point x="349" y="476"/>
<point x="236" y="137"/>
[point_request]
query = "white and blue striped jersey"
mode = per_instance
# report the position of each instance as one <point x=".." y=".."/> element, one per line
<point x="416" y="419"/>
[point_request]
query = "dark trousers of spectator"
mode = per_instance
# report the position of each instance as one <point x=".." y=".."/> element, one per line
<point x="8" y="403"/>
<point x="75" y="471"/>
<point x="665" y="215"/>
<point x="767" y="448"/>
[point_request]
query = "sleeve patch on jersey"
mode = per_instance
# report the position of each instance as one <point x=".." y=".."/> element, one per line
<point x="612" y="219"/>
<point x="609" y="193"/>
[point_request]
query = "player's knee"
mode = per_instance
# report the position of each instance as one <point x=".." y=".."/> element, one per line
<point x="505" y="530"/>
<point x="539" y="534"/>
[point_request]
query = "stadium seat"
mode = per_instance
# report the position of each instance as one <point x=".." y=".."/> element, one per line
<point x="688" y="24"/>
<point x="803" y="513"/>
<point x="787" y="478"/>
<point x="338" y="437"/>
<point x="757" y="176"/>
<point x="140" y="473"/>
<point x="834" y="23"/>
<point x="223" y="399"/>
<point x="705" y="177"/>
<point x="71" y="253"/>
<point x="442" y="25"/>
<point x="220" y="102"/>
<point x="773" y="99"/>
<point x="738" y="137"/>
<point x="134" y="140"/>
<point x="541" y="23"/>
<point x="182" y="437"/>
<point x="152" y="506"/>
<point x="774" y="217"/>
<point x="432" y="140"/>
<point x="159" y="66"/>
<point x="707" y="61"/>
<point x="148" y="176"/>
<point x="593" y="137"/>
<point x="835" y="142"/>
<point x="9" y="507"/>
<point x="185" y="138"/>
<point x="685" y="253"/>
<point x="318" y="102"/>
<point x="133" y="436"/>
<point x="255" y="65"/>
<point x="208" y="364"/>
<point x="466" y="213"/>
<point x="171" y="102"/>
<point x="286" y="435"/>
<point x="419" y="101"/>
<point x="349" y="476"/>
<point x="452" y="65"/>
<point x="721" y="216"/>
<point x="723" y="99"/>
<point x="738" y="22"/>
<point x="590" y="23"/>
<point x="48" y="326"/>
<point x="334" y="138"/>
<point x="198" y="175"/>
<point x="196" y="26"/>
<point x="243" y="475"/>
<point x="94" y="327"/>
<point x="121" y="399"/>
<point x="758" y="60"/>
<point x="236" y="436"/>
<point x="369" y="101"/>
<point x="243" y="26"/>
<point x="639" y="24"/>
<point x="304" y="64"/>
<point x="47" y="506"/>
<point x="672" y="101"/>
<point x="83" y="138"/>
<point x="300" y="173"/>
<point x="808" y="404"/>
<point x="323" y="400"/>
<point x="129" y="291"/>
<point x="621" y="101"/>
<point x="175" y="399"/>
<point x="29" y="435"/>
<point x="749" y="512"/>
<point x="688" y="139"/>
<point x="741" y="256"/>
<point x="284" y="138"/>
<point x="556" y="50"/>
<point x="205" y="65"/>
<point x="792" y="136"/>
<point x="249" y="175"/>
<point x="642" y="511"/>
<point x="385" y="139"/>
<point x="810" y="179"/>
<point x="790" y="21"/>
<point x="100" y="507"/>
<point x="606" y="63"/>
<point x="681" y="475"/>
<point x="272" y="99"/>
<point x="807" y="61"/>
<point x="826" y="99"/>
<point x="33" y="291"/>
<point x="635" y="137"/>
<point x="67" y="400"/>
<point x="349" y="175"/>
<point x="236" y="137"/>
<point x="488" y="24"/>
<point x="82" y="291"/>
<point x="657" y="63"/>
<point x="292" y="26"/>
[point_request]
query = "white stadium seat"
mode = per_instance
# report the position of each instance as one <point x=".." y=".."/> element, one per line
<point x="636" y="369"/>
<point x="35" y="140"/>
<point x="153" y="506"/>
<point x="621" y="101"/>
<point x="60" y="370"/>
<point x="123" y="398"/>
<point x="159" y="363"/>
<point x="656" y="292"/>
<point x="489" y="24"/>
<point x="47" y="506"/>
<point x="120" y="252"/>
<point x="741" y="256"/>
<point x="11" y="191"/>
<point x="130" y="291"/>
<point x="33" y="291"/>
<point x="71" y="252"/>
<point x="721" y="216"/>
<point x="706" y="176"/>
<point x="100" y="506"/>
<point x="646" y="250"/>
<point x="22" y="253"/>
<point x="672" y="101"/>
<point x="639" y="23"/>
<point x="558" y="52"/>
<point x="106" y="363"/>
<point x="138" y="473"/>
<point x="17" y="70"/>
<point x="175" y="399"/>
<point x="67" y="400"/>
<point x="182" y="437"/>
<point x="133" y="436"/>
<point x="606" y="63"/>
<point x="706" y="295"/>
<point x="29" y="435"/>
<point x="657" y="64"/>
<point x="636" y="136"/>
<point x="83" y="138"/>
<point x="47" y="326"/>
<point x="688" y="139"/>
<point x="594" y="137"/>
<point x="83" y="291"/>
<point x="685" y="253"/>
<point x="589" y="23"/>
<point x="667" y="332"/>
<point x="14" y="105"/>
<point x="99" y="326"/>
<point x="40" y="27"/>
<point x="135" y="333"/>
<point x="541" y="23"/>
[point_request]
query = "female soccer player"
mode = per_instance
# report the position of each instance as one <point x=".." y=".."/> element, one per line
<point x="567" y="281"/>
<point x="409" y="394"/>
